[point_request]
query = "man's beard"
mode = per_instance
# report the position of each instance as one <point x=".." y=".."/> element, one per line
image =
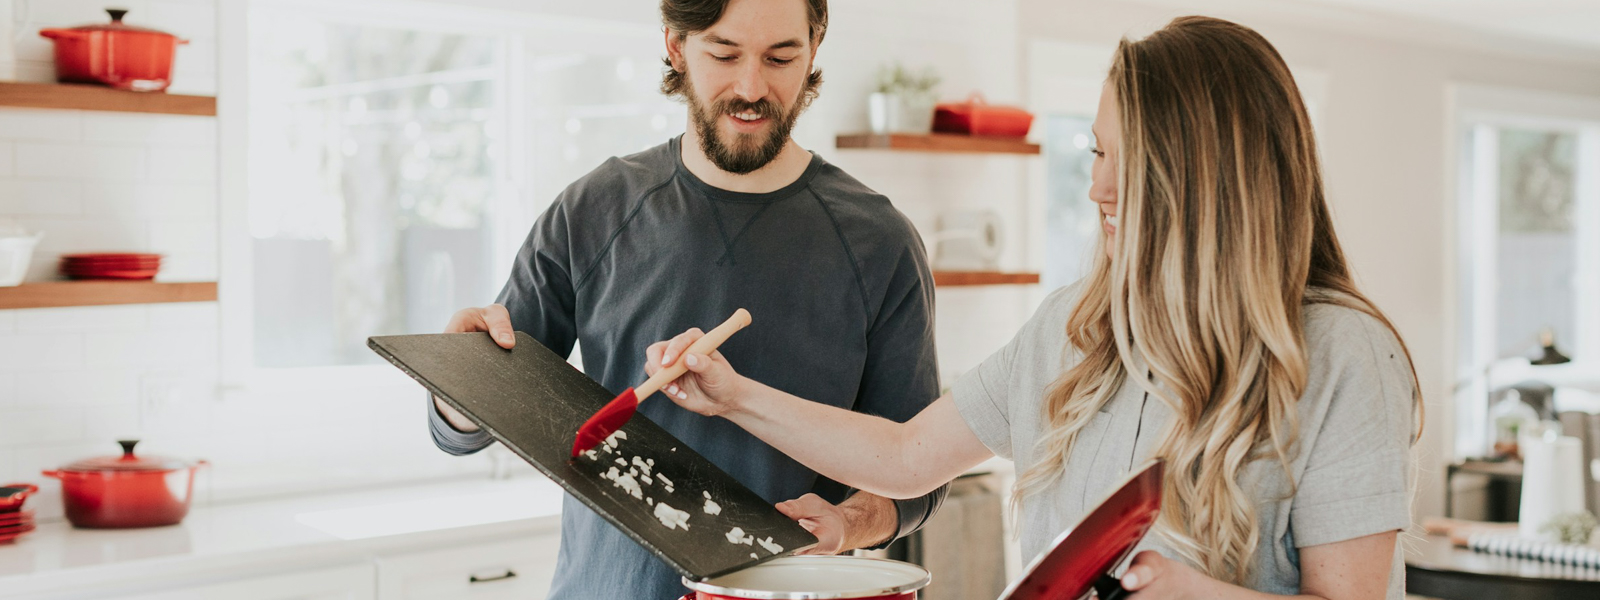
<point x="744" y="152"/>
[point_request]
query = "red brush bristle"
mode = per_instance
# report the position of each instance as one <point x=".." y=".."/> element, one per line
<point x="607" y="421"/>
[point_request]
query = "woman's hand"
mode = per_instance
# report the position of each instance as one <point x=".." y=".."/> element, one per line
<point x="711" y="387"/>
<point x="1154" y="576"/>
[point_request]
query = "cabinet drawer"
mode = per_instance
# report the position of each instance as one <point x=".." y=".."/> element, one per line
<point x="353" y="582"/>
<point x="516" y="569"/>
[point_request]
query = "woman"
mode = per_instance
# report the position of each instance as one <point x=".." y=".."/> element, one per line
<point x="1283" y="401"/>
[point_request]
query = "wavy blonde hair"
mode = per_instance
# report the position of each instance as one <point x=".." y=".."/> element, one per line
<point x="1225" y="237"/>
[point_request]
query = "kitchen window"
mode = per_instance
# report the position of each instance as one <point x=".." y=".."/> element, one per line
<point x="1528" y="247"/>
<point x="398" y="156"/>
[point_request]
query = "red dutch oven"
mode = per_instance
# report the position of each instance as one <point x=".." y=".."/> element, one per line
<point x="115" y="492"/>
<point x="121" y="56"/>
<point x="815" y="578"/>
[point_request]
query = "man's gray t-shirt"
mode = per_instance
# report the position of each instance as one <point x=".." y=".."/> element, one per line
<point x="640" y="250"/>
<point x="1352" y="462"/>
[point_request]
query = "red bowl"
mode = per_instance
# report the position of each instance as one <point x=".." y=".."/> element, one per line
<point x="12" y="495"/>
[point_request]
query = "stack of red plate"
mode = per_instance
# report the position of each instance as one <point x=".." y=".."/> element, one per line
<point x="107" y="265"/>
<point x="15" y="522"/>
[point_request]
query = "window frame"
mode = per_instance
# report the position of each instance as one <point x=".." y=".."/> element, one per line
<point x="1478" y="369"/>
<point x="511" y="213"/>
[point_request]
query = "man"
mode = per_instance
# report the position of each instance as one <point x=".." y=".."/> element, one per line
<point x="732" y="214"/>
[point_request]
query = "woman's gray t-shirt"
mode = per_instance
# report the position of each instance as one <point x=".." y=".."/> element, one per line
<point x="1352" y="463"/>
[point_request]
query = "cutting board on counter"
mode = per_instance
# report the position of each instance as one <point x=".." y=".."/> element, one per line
<point x="533" y="401"/>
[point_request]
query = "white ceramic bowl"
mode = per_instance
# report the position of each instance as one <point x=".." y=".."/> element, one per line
<point x="15" y="252"/>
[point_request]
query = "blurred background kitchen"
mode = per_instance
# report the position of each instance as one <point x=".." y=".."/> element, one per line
<point x="363" y="167"/>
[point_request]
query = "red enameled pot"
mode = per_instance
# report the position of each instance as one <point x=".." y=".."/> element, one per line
<point x="115" y="492"/>
<point x="816" y="578"/>
<point x="121" y="56"/>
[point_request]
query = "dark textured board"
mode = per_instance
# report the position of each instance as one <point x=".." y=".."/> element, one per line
<point x="532" y="401"/>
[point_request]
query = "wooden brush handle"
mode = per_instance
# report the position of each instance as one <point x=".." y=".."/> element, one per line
<point x="705" y="345"/>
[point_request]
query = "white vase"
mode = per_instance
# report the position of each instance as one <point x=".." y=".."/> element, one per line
<point x="882" y="109"/>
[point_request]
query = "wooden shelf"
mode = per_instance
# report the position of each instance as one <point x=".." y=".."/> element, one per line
<point x="936" y="142"/>
<point x="101" y="292"/>
<point x="952" y="278"/>
<point x="92" y="97"/>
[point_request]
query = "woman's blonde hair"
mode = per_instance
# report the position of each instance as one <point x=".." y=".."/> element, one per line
<point x="1224" y="237"/>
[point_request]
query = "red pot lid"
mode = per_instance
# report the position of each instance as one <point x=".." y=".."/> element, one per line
<point x="117" y="25"/>
<point x="1086" y="555"/>
<point x="127" y="462"/>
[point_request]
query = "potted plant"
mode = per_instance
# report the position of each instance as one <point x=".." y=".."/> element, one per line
<point x="903" y="102"/>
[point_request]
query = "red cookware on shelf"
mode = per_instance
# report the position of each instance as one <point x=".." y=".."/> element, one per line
<point x="113" y="492"/>
<point x="121" y="56"/>
<point x="977" y="117"/>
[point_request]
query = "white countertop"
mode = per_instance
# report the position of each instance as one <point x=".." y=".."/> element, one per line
<point x="309" y="531"/>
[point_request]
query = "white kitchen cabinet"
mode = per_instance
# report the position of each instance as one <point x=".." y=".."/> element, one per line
<point x="518" y="569"/>
<point x="353" y="582"/>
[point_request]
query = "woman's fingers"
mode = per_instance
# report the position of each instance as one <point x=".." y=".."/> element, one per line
<point x="1142" y="570"/>
<point x="652" y="357"/>
<point x="678" y="344"/>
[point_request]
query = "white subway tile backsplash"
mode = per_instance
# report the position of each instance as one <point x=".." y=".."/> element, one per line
<point x="35" y="71"/>
<point x="32" y="46"/>
<point x="8" y="320"/>
<point x="44" y="197"/>
<point x="197" y="58"/>
<point x="184" y="19"/>
<point x="184" y="316"/>
<point x="8" y="161"/>
<point x="79" y="387"/>
<point x="8" y="389"/>
<point x="68" y="236"/>
<point x="177" y="349"/>
<point x="71" y="13"/>
<point x="188" y="266"/>
<point x="28" y="427"/>
<point x="154" y="129"/>
<point x="23" y="352"/>
<point x="184" y="237"/>
<point x="130" y="200"/>
<point x="131" y="317"/>
<point x="38" y="124"/>
<point x="197" y="200"/>
<point x="8" y="469"/>
<point x="183" y="164"/>
<point x="115" y="422"/>
<point x="98" y="162"/>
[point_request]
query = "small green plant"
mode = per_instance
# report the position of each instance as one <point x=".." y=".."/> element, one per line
<point x="1571" y="528"/>
<point x="894" y="78"/>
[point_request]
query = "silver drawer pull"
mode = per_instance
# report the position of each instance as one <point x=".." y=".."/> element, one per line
<point x="507" y="575"/>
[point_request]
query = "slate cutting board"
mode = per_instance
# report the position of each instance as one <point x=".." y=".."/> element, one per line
<point x="532" y="401"/>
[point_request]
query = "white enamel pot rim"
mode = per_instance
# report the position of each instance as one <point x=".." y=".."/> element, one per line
<point x="817" y="578"/>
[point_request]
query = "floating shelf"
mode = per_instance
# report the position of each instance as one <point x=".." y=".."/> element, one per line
<point x="936" y="142"/>
<point x="101" y="292"/>
<point x="92" y="97"/>
<point x="953" y="278"/>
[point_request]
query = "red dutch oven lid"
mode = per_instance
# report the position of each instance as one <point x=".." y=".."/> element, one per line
<point x="127" y="462"/>
<point x="117" y="26"/>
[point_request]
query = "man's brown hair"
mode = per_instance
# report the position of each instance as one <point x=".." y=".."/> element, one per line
<point x="688" y="17"/>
